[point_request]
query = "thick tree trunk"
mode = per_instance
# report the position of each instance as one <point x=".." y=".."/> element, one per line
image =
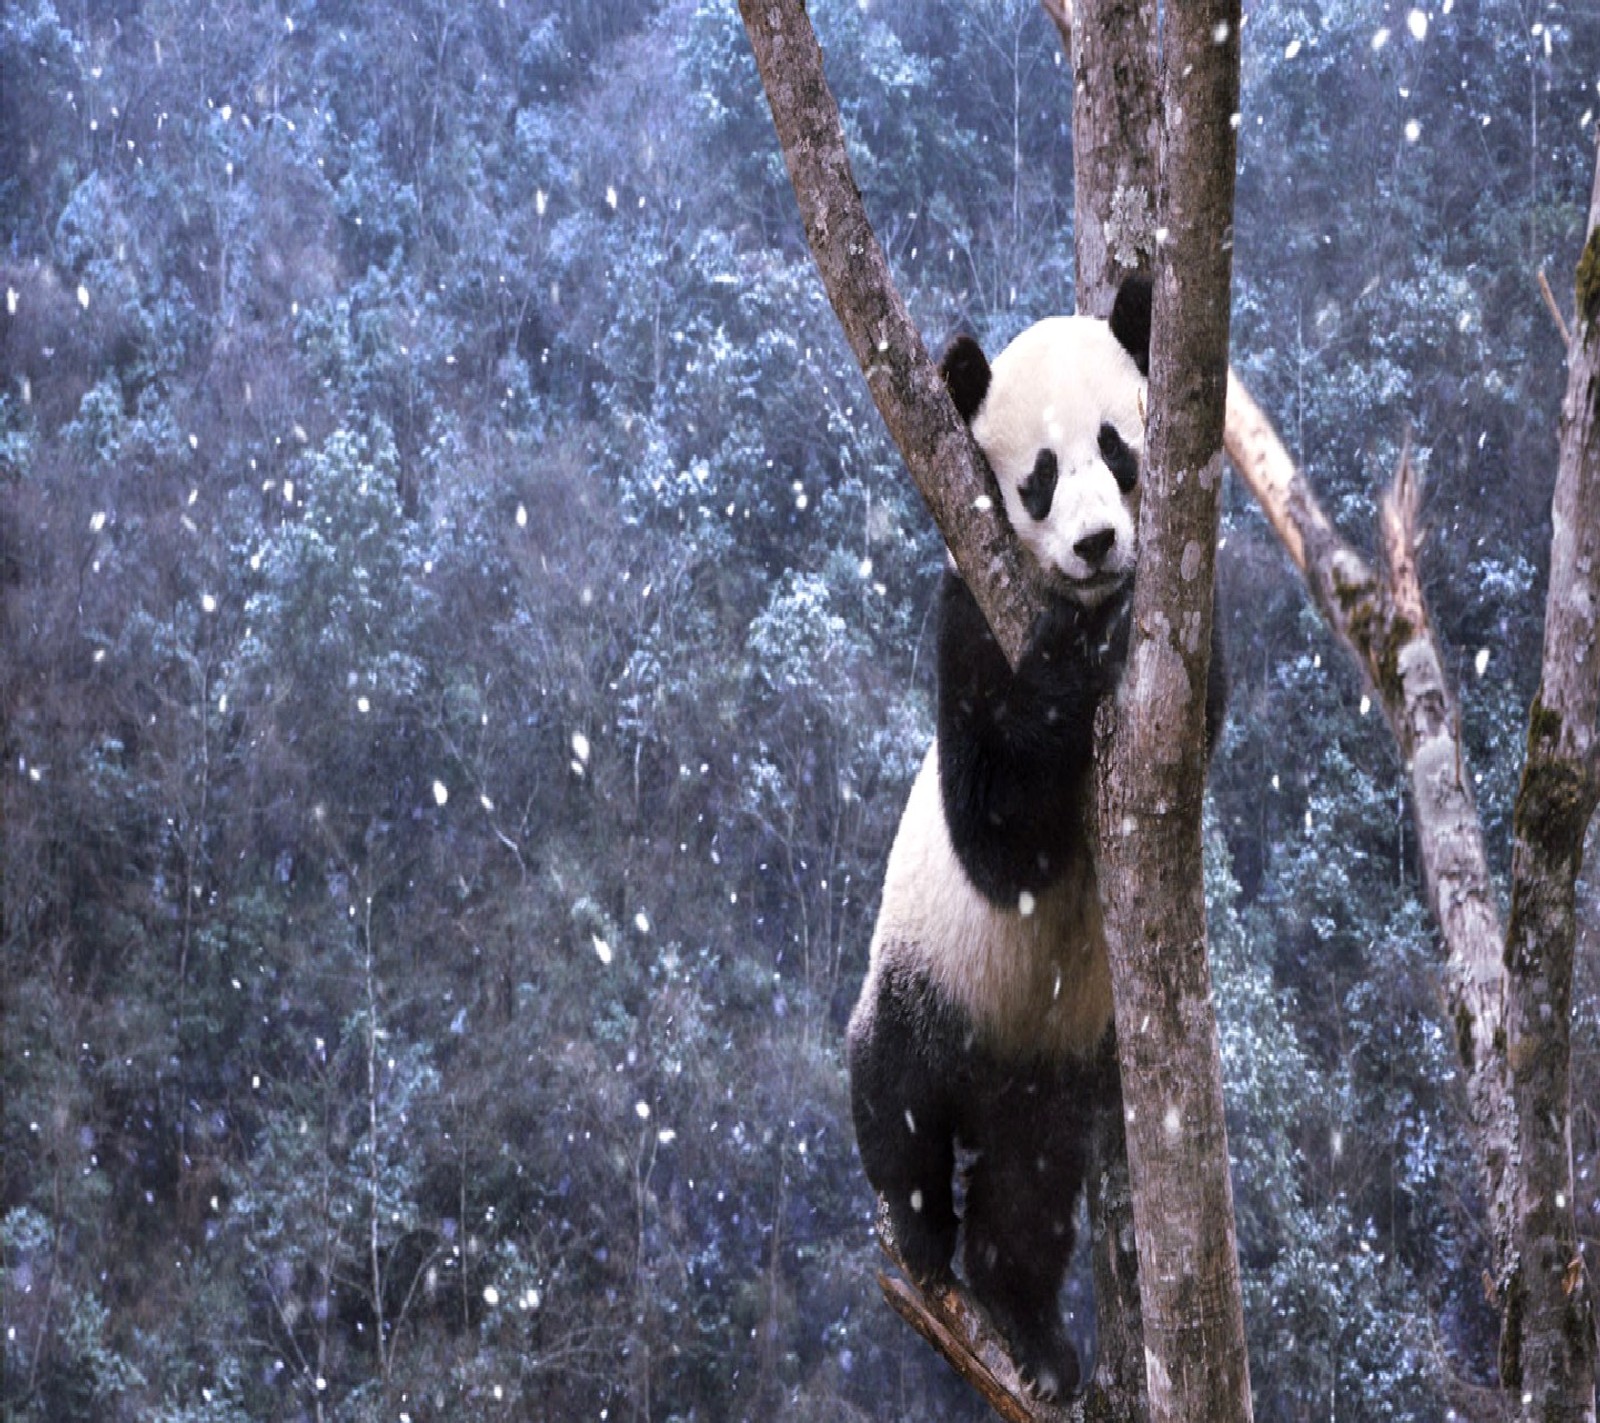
<point x="1151" y="789"/>
<point x="1116" y="109"/>
<point x="1116" y="126"/>
<point x="1547" y="1355"/>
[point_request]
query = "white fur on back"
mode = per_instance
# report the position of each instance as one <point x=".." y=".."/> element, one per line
<point x="1052" y="388"/>
<point x="1035" y="984"/>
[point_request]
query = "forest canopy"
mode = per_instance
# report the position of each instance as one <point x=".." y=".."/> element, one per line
<point x="467" y="641"/>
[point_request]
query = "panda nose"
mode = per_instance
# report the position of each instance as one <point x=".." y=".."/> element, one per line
<point x="1093" y="548"/>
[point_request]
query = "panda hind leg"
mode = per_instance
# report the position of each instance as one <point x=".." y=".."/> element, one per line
<point x="903" y="1051"/>
<point x="1020" y="1221"/>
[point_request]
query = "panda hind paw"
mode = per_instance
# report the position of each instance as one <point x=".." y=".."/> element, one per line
<point x="922" y="1246"/>
<point x="1047" y="1363"/>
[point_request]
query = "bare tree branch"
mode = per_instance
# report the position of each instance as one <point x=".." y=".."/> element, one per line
<point x="950" y="472"/>
<point x="956" y="1328"/>
<point x="1555" y="310"/>
<point x="1508" y="991"/>
<point x="1060" y="13"/>
<point x="1384" y="625"/>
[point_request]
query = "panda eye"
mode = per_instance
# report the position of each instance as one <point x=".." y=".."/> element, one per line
<point x="1120" y="460"/>
<point x="1039" y="488"/>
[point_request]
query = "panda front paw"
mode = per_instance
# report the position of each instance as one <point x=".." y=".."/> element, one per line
<point x="1062" y="642"/>
<point x="1107" y="641"/>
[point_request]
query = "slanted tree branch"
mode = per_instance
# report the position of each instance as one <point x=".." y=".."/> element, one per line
<point x="1508" y="991"/>
<point x="1383" y="622"/>
<point x="1060" y="15"/>
<point x="954" y="1325"/>
<point x="949" y="470"/>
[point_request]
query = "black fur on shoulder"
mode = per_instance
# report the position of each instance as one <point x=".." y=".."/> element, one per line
<point x="965" y="370"/>
<point x="1015" y="748"/>
<point x="1130" y="318"/>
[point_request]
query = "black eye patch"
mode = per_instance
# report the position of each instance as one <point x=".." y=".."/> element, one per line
<point x="1039" y="488"/>
<point x="1120" y="460"/>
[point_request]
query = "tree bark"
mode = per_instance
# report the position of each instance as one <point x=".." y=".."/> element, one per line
<point x="1115" y="137"/>
<point x="1548" y="1349"/>
<point x="947" y="467"/>
<point x="1151" y="786"/>
<point x="1116" y="127"/>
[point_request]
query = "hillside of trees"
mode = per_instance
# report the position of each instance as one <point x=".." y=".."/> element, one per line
<point x="467" y="638"/>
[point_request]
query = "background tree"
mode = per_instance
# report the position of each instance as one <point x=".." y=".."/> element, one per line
<point x="415" y="273"/>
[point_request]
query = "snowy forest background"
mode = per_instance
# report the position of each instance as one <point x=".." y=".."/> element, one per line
<point x="467" y="640"/>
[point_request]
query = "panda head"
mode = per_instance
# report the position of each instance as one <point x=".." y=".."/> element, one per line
<point x="1060" y="417"/>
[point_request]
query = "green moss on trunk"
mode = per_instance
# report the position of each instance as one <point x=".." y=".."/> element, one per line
<point x="1589" y="278"/>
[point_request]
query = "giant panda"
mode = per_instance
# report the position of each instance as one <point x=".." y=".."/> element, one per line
<point x="983" y="1021"/>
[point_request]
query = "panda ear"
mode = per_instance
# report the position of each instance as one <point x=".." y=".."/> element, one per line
<point x="965" y="370"/>
<point x="1130" y="319"/>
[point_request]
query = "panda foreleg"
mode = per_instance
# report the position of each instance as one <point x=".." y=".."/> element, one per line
<point x="1015" y="748"/>
<point x="902" y="1052"/>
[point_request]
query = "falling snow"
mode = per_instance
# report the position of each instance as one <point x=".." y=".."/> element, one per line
<point x="290" y="350"/>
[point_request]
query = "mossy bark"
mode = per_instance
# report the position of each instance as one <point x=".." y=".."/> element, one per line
<point x="1548" y="1345"/>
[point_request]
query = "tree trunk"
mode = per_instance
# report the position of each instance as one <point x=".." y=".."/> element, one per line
<point x="1547" y="1343"/>
<point x="1116" y="127"/>
<point x="1115" y="133"/>
<point x="1152" y="784"/>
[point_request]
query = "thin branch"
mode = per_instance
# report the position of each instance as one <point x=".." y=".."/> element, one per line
<point x="1555" y="310"/>
<point x="1383" y="623"/>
